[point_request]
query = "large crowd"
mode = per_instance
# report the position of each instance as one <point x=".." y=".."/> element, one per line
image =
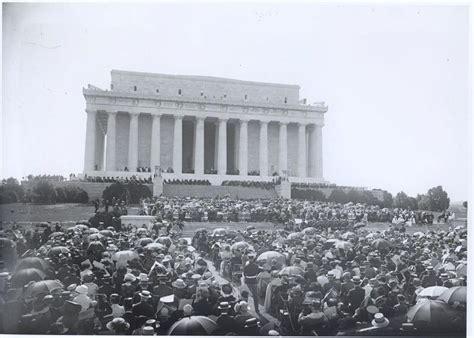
<point x="301" y="280"/>
<point x="281" y="211"/>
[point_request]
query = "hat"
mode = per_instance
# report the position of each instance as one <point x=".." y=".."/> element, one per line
<point x="72" y="287"/>
<point x="82" y="289"/>
<point x="407" y="327"/>
<point x="227" y="289"/>
<point x="273" y="333"/>
<point x="429" y="268"/>
<point x="143" y="277"/>
<point x="118" y="324"/>
<point x="145" y="294"/>
<point x="330" y="274"/>
<point x="372" y="309"/>
<point x="196" y="276"/>
<point x="129" y="278"/>
<point x="148" y="331"/>
<point x="224" y="306"/>
<point x="380" y="320"/>
<point x="444" y="275"/>
<point x="355" y="280"/>
<point x="179" y="284"/>
<point x="251" y="322"/>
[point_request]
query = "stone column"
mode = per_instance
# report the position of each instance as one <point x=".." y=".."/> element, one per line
<point x="222" y="147"/>
<point x="302" y="150"/>
<point x="318" y="150"/>
<point x="89" y="158"/>
<point x="315" y="151"/>
<point x="283" y="158"/>
<point x="263" y="148"/>
<point x="243" y="147"/>
<point x="178" y="145"/>
<point x="110" y="162"/>
<point x="199" y="146"/>
<point x="155" y="155"/>
<point x="133" y="142"/>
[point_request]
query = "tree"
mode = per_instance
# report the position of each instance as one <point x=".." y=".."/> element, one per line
<point x="464" y="204"/>
<point x="439" y="200"/>
<point x="44" y="193"/>
<point x="338" y="196"/>
<point x="387" y="200"/>
<point x="402" y="200"/>
<point x="10" y="191"/>
<point x="424" y="202"/>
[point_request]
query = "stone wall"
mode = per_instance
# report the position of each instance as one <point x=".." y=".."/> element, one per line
<point x="217" y="191"/>
<point x="204" y="87"/>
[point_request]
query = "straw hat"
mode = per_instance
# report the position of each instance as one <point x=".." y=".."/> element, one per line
<point x="179" y="284"/>
<point x="118" y="324"/>
<point x="380" y="321"/>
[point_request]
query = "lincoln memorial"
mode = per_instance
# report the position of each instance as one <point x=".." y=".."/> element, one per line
<point x="201" y="127"/>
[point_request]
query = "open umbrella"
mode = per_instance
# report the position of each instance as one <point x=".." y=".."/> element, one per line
<point x="344" y="245"/>
<point x="84" y="222"/>
<point x="419" y="234"/>
<point x="381" y="243"/>
<point x="250" y="227"/>
<point x="432" y="292"/>
<point x="96" y="237"/>
<point x="295" y="235"/>
<point x="92" y="230"/>
<point x="240" y="245"/>
<point x="106" y="233"/>
<point x="435" y="313"/>
<point x="32" y="262"/>
<point x="145" y="241"/>
<point x="166" y="240"/>
<point x="154" y="246"/>
<point x="124" y="256"/>
<point x="348" y="235"/>
<point x="42" y="287"/>
<point x="309" y="231"/>
<point x="292" y="270"/>
<point x="269" y="256"/>
<point x="96" y="246"/>
<point x="193" y="325"/>
<point x="57" y="234"/>
<point x="57" y="250"/>
<point x="454" y="294"/>
<point x="23" y="277"/>
<point x="219" y="232"/>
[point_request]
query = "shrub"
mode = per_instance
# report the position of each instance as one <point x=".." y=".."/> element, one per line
<point x="308" y="194"/>
<point x="10" y="191"/>
<point x="44" y="193"/>
<point x="131" y="192"/>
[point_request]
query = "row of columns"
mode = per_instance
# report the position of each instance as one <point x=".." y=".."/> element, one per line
<point x="315" y="141"/>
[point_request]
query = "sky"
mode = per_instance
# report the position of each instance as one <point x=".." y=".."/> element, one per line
<point x="395" y="78"/>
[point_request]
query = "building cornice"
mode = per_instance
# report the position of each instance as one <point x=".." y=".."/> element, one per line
<point x="96" y="92"/>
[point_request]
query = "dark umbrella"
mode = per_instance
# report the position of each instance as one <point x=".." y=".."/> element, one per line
<point x="433" y="313"/>
<point x="96" y="246"/>
<point x="106" y="233"/>
<point x="193" y="325"/>
<point x="145" y="241"/>
<point x="57" y="250"/>
<point x="381" y="243"/>
<point x="41" y="287"/>
<point x="163" y="240"/>
<point x="32" y="262"/>
<point x="23" y="277"/>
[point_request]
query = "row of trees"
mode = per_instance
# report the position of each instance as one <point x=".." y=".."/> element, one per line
<point x="436" y="199"/>
<point x="131" y="192"/>
<point x="339" y="195"/>
<point x="43" y="192"/>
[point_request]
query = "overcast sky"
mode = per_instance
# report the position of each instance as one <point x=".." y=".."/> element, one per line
<point x="395" y="78"/>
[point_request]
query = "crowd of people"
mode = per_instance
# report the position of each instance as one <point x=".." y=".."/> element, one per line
<point x="124" y="180"/>
<point x="49" y="178"/>
<point x="253" y="184"/>
<point x="310" y="281"/>
<point x="279" y="211"/>
<point x="187" y="182"/>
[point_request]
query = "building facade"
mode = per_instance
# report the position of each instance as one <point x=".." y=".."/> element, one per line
<point x="202" y="127"/>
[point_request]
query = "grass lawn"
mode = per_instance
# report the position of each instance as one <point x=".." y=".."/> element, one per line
<point x="19" y="212"/>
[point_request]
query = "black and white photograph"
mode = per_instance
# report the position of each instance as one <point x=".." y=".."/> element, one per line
<point x="236" y="168"/>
